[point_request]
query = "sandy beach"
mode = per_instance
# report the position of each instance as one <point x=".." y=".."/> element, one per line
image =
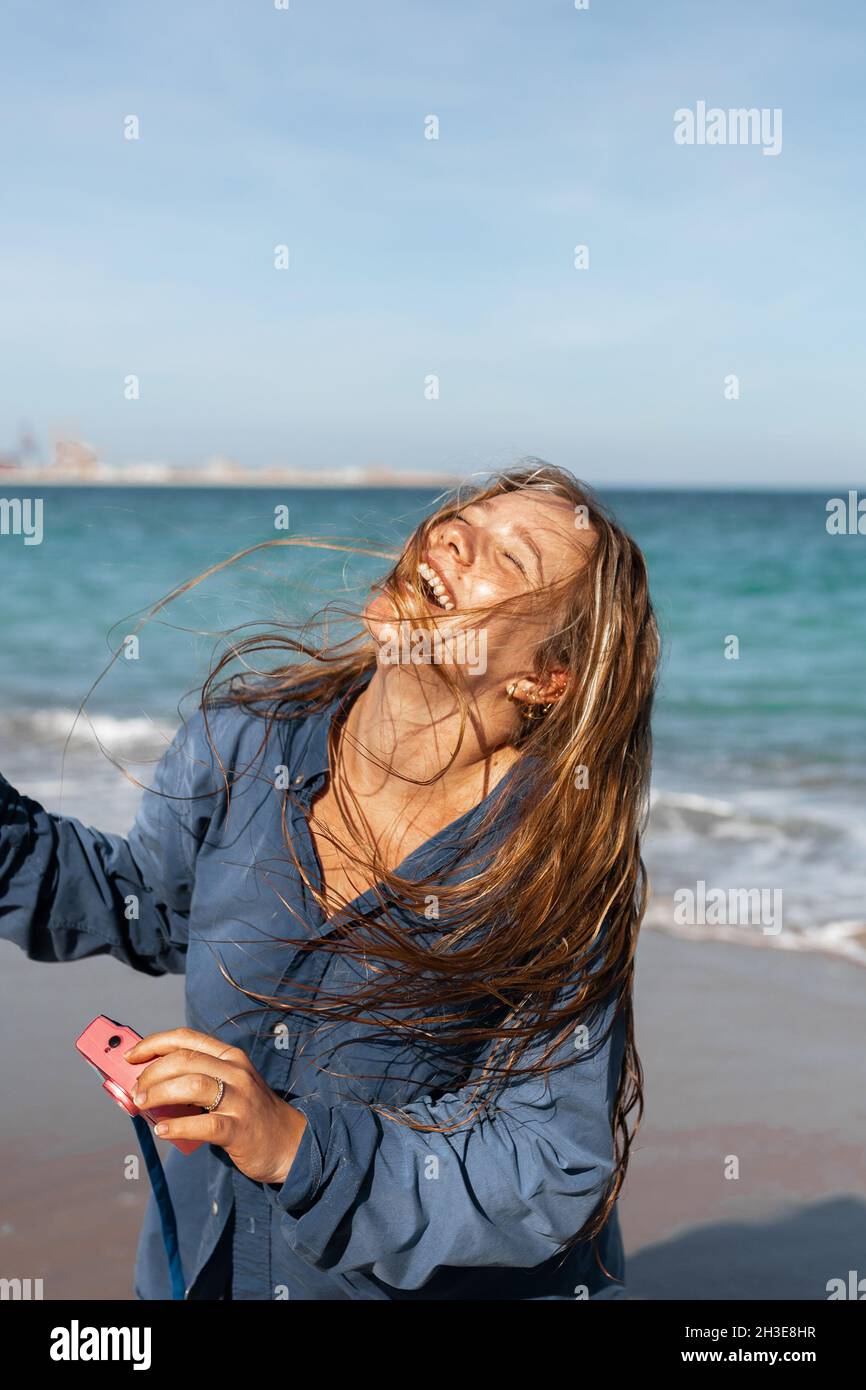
<point x="749" y="1053"/>
<point x="757" y="1054"/>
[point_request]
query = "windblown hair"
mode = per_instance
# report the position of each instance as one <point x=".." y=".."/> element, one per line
<point x="536" y="936"/>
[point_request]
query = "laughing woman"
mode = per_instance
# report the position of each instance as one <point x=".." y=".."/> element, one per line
<point x="403" y="878"/>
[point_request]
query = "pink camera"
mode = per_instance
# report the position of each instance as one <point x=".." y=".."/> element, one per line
<point x="103" y="1044"/>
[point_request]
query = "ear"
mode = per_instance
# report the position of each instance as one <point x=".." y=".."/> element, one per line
<point x="537" y="690"/>
<point x="552" y="686"/>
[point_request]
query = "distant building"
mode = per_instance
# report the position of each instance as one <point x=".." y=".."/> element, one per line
<point x="74" y="457"/>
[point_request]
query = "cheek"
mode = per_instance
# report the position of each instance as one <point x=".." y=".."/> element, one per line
<point x="486" y="592"/>
<point x="482" y="593"/>
<point x="512" y="640"/>
<point x="502" y="642"/>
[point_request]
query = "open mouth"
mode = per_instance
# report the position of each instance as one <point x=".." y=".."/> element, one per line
<point x="434" y="588"/>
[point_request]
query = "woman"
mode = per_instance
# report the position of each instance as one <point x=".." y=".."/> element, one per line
<point x="403" y="878"/>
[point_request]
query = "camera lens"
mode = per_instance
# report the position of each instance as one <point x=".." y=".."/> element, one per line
<point x="115" y="1041"/>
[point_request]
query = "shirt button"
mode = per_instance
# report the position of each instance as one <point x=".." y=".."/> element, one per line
<point x="299" y="779"/>
<point x="215" y="1206"/>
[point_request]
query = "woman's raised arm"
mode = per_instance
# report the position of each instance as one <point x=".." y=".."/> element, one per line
<point x="68" y="891"/>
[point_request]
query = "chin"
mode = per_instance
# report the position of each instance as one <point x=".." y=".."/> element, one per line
<point x="381" y="618"/>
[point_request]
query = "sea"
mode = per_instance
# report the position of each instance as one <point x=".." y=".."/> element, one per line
<point x="759" y="779"/>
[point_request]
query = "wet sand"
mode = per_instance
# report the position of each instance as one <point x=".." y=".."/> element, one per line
<point x="750" y="1054"/>
<point x="756" y="1054"/>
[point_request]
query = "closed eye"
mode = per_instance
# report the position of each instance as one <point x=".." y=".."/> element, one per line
<point x="458" y="516"/>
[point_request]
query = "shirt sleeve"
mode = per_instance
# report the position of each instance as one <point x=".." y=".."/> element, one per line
<point x="505" y="1188"/>
<point x="68" y="891"/>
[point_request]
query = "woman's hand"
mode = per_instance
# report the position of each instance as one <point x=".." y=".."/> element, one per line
<point x="259" y="1132"/>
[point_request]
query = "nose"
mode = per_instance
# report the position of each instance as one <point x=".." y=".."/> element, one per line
<point x="456" y="538"/>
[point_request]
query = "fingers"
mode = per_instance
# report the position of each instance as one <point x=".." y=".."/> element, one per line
<point x="157" y="1044"/>
<point x="184" y="1063"/>
<point x="189" y="1088"/>
<point x="214" y="1128"/>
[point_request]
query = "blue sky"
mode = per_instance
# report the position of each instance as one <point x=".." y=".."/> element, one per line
<point x="453" y="257"/>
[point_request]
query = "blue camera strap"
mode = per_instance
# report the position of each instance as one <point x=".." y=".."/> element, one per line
<point x="163" y="1201"/>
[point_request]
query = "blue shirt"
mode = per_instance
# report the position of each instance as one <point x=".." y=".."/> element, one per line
<point x="371" y="1209"/>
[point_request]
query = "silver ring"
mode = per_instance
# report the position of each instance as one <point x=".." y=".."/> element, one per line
<point x="220" y="1093"/>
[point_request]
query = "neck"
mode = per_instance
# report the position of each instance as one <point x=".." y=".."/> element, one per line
<point x="405" y="727"/>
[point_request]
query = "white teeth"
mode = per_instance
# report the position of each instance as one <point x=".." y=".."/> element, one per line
<point x="437" y="585"/>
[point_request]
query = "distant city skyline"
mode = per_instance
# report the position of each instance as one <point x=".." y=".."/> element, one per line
<point x="437" y="311"/>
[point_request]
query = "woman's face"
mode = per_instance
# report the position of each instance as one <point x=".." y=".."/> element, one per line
<point x="491" y="552"/>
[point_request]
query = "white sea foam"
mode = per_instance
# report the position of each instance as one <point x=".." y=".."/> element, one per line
<point x="788" y="838"/>
<point x="690" y="801"/>
<point x="849" y="943"/>
<point x="117" y="732"/>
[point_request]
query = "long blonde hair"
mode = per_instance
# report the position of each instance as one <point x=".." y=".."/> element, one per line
<point x="561" y="894"/>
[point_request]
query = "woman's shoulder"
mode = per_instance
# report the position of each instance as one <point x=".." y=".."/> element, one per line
<point x="228" y="738"/>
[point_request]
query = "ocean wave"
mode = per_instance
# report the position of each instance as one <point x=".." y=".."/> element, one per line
<point x="845" y="940"/>
<point x="809" y="848"/>
<point x="779" y="813"/>
<point x="117" y="732"/>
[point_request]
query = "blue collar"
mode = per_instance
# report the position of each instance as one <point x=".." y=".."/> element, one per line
<point x="311" y="755"/>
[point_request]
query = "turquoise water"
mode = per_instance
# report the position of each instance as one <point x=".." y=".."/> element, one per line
<point x="760" y="771"/>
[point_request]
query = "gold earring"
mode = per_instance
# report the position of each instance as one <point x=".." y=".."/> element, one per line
<point x="536" y="710"/>
<point x="531" y="709"/>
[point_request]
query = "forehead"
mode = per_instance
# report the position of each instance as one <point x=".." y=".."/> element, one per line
<point x="551" y="520"/>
